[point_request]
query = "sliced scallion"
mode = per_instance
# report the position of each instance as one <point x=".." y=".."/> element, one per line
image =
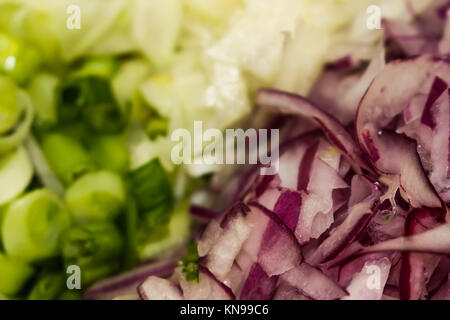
<point x="16" y="172"/>
<point x="94" y="247"/>
<point x="13" y="274"/>
<point x="33" y="224"/>
<point x="96" y="196"/>
<point x="66" y="156"/>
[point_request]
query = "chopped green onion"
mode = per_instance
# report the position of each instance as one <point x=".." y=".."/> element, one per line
<point x="70" y="295"/>
<point x="78" y="131"/>
<point x="4" y="297"/>
<point x="33" y="224"/>
<point x="66" y="156"/>
<point x="9" y="105"/>
<point x="150" y="186"/>
<point x="104" y="67"/>
<point x="2" y="214"/>
<point x="13" y="274"/>
<point x="128" y="77"/>
<point x="18" y="134"/>
<point x="8" y="11"/>
<point x="43" y="170"/>
<point x="17" y="59"/>
<point x="149" y="246"/>
<point x="96" y="196"/>
<point x="157" y="218"/>
<point x="94" y="247"/>
<point x="47" y="286"/>
<point x="110" y="152"/>
<point x="156" y="127"/>
<point x="190" y="263"/>
<point x="90" y="99"/>
<point x="131" y="221"/>
<point x="90" y="275"/>
<point x="16" y="172"/>
<point x="42" y="93"/>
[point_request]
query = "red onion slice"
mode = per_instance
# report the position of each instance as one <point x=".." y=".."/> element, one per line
<point x="129" y="281"/>
<point x="386" y="98"/>
<point x="227" y="246"/>
<point x="258" y="286"/>
<point x="436" y="240"/>
<point x="443" y="293"/>
<point x="317" y="211"/>
<point x="202" y="213"/>
<point x="416" y="268"/>
<point x="340" y="237"/>
<point x="286" y="292"/>
<point x="288" y="103"/>
<point x="313" y="283"/>
<point x="275" y="244"/>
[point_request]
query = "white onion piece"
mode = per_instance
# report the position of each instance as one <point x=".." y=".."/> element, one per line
<point x="155" y="288"/>
<point x="313" y="283"/>
<point x="221" y="256"/>
<point x="207" y="288"/>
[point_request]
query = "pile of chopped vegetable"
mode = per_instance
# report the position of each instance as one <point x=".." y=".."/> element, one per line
<point x="86" y="177"/>
<point x="359" y="208"/>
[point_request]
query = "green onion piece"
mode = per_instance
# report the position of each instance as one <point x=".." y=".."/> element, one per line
<point x="129" y="76"/>
<point x="150" y="186"/>
<point x="66" y="156"/>
<point x="150" y="246"/>
<point x="4" y="297"/>
<point x="16" y="172"/>
<point x="90" y="275"/>
<point x="2" y="214"/>
<point x="110" y="152"/>
<point x="9" y="105"/>
<point x="156" y="127"/>
<point x="18" y="134"/>
<point x="96" y="196"/>
<point x="17" y="59"/>
<point x="33" y="224"/>
<point x="47" y="286"/>
<point x="70" y="295"/>
<point x="42" y="92"/>
<point x="131" y="221"/>
<point x="90" y="99"/>
<point x="94" y="247"/>
<point x="157" y="218"/>
<point x="13" y="274"/>
<point x="190" y="263"/>
<point x="104" y="67"/>
<point x="78" y="131"/>
<point x="8" y="10"/>
<point x="43" y="170"/>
